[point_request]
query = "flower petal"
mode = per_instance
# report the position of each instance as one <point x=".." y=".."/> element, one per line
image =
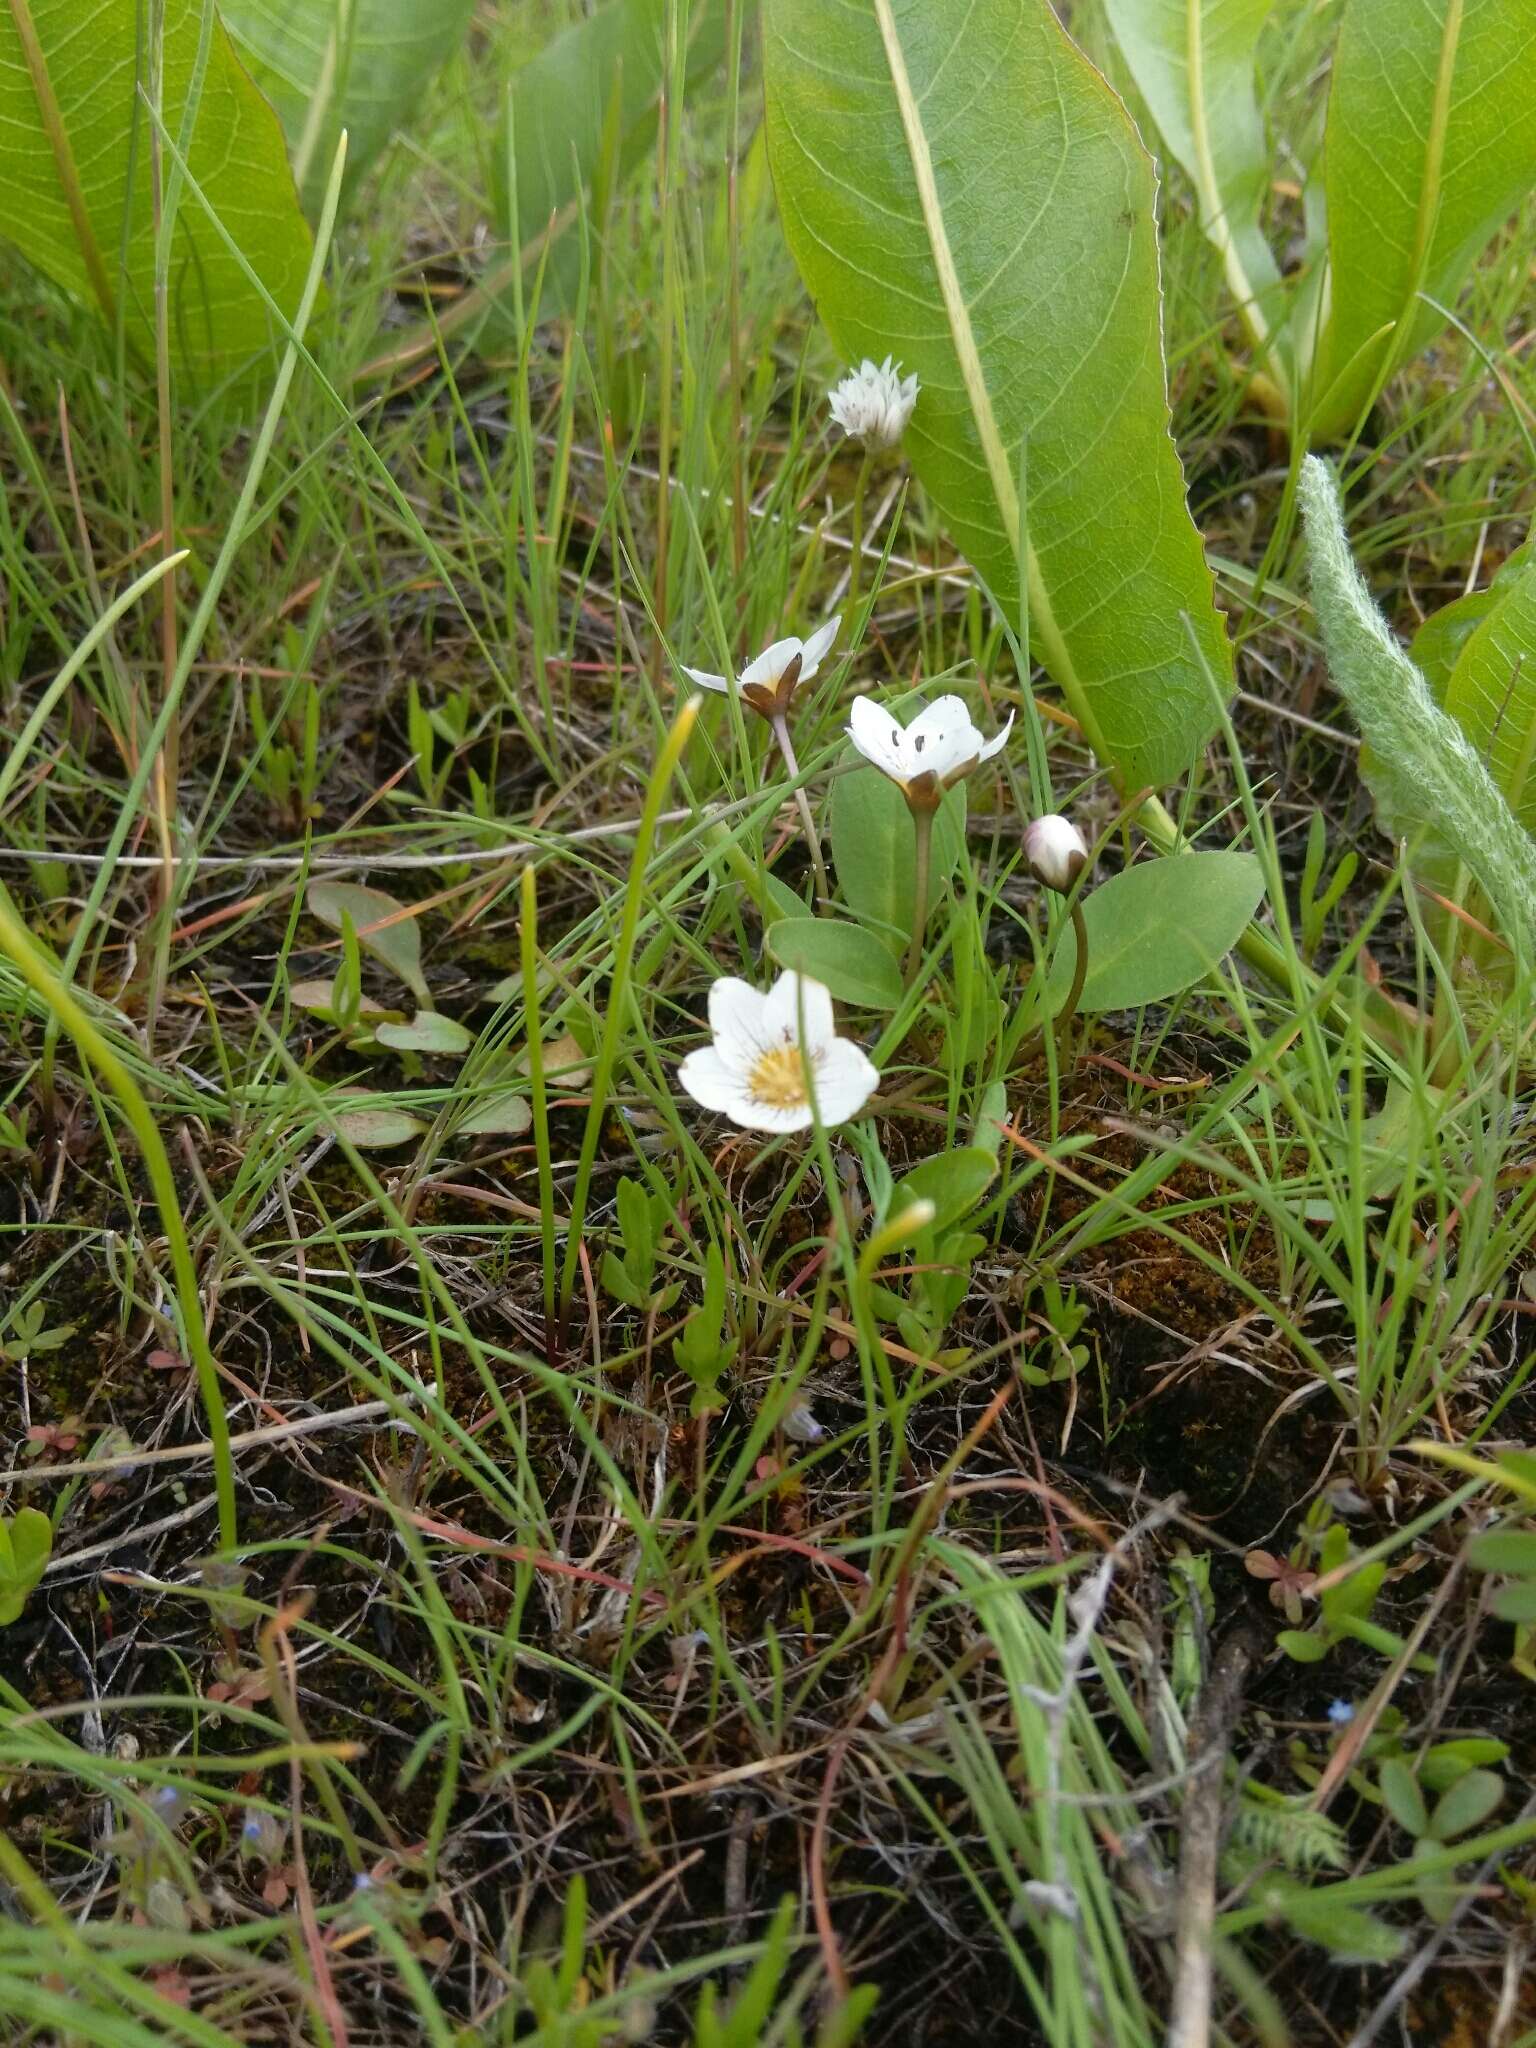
<point x="792" y="997"/>
<point x="736" y="1021"/>
<point x="942" y="738"/>
<point x="751" y="1115"/>
<point x="771" y="663"/>
<point x="996" y="744"/>
<point x="846" y="1077"/>
<point x="706" y="680"/>
<point x="818" y="644"/>
<point x="711" y="1083"/>
<point x="879" y="737"/>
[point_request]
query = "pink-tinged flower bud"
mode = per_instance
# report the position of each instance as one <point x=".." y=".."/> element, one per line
<point x="1056" y="852"/>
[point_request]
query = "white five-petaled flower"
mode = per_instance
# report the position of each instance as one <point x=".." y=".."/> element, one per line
<point x="924" y="758"/>
<point x="769" y="682"/>
<point x="874" y="403"/>
<point x="765" y="1049"/>
<point x="1056" y="851"/>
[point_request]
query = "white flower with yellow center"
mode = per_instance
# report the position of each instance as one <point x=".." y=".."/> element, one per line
<point x="874" y="403"/>
<point x="771" y="1052"/>
<point x="769" y="682"/>
<point x="924" y="758"/>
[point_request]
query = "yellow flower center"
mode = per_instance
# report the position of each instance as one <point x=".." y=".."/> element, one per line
<point x="777" y="1079"/>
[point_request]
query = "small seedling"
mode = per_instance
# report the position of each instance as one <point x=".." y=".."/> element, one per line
<point x="1345" y="1609"/>
<point x="1469" y="1795"/>
<point x="1318" y="900"/>
<point x="704" y="1350"/>
<point x="629" y="1274"/>
<point x="26" y="1334"/>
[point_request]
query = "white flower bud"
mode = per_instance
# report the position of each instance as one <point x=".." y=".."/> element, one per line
<point x="1056" y="852"/>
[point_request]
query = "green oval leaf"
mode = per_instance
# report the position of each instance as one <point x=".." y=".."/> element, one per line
<point x="1504" y="1550"/>
<point x="75" y="167"/>
<point x="373" y="1125"/>
<point x="1402" y="1797"/>
<point x="962" y="190"/>
<point x="501" y="1116"/>
<point x="1467" y="1805"/>
<point x="381" y="928"/>
<point x="953" y="1181"/>
<point x="1158" y="927"/>
<point x="428" y="1031"/>
<point x="855" y="965"/>
<point x="874" y="851"/>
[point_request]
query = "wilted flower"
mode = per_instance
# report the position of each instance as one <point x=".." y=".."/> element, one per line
<point x="757" y="1069"/>
<point x="800" y="1425"/>
<point x="262" y="1835"/>
<point x="1056" y="852"/>
<point x="873" y="404"/>
<point x="769" y="682"/>
<point x="924" y="758"/>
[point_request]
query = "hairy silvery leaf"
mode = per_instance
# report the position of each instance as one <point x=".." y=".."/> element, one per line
<point x="1424" y="772"/>
<point x="962" y="190"/>
<point x="1431" y="144"/>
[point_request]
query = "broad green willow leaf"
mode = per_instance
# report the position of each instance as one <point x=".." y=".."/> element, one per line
<point x="962" y="190"/>
<point x="1193" y="63"/>
<point x="75" y="166"/>
<point x="333" y="64"/>
<point x="1425" y="773"/>
<point x="593" y="92"/>
<point x="1156" y="928"/>
<point x="1430" y="146"/>
<point x="1492" y="690"/>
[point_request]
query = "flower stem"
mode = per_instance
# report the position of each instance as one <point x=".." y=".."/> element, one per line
<point x="922" y="826"/>
<point x="856" y="556"/>
<point x="803" y="802"/>
<point x="1074" y="993"/>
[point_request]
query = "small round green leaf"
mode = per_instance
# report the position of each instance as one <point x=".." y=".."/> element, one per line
<point x="1158" y="927"/>
<point x="855" y="965"/>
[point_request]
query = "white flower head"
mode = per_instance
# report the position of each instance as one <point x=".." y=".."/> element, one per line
<point x="766" y="1048"/>
<point x="874" y="403"/>
<point x="926" y="757"/>
<point x="769" y="682"/>
<point x="1056" y="851"/>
